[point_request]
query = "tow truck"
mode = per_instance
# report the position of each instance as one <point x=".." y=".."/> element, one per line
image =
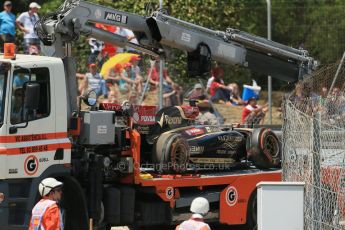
<point x="97" y="156"/>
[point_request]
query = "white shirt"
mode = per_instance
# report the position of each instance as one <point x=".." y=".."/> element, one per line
<point x="210" y="80"/>
<point x="127" y="34"/>
<point x="28" y="23"/>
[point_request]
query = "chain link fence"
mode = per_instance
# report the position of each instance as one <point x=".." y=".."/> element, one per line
<point x="314" y="145"/>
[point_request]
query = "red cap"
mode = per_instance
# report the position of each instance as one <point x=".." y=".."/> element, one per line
<point x="118" y="67"/>
<point x="128" y="64"/>
<point x="92" y="65"/>
<point x="135" y="58"/>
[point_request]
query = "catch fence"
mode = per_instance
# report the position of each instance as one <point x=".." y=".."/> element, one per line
<point x="314" y="145"/>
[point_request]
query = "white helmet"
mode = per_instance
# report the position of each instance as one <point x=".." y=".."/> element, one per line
<point x="47" y="185"/>
<point x="200" y="205"/>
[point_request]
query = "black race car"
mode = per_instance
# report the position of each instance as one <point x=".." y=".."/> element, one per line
<point x="177" y="144"/>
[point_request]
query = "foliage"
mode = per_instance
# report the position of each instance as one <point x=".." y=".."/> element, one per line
<point x="316" y="25"/>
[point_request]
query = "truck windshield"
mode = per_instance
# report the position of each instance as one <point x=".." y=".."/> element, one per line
<point x="4" y="68"/>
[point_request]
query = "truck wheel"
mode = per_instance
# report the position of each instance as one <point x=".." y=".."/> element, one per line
<point x="171" y="153"/>
<point x="265" y="149"/>
<point x="75" y="207"/>
<point x="251" y="223"/>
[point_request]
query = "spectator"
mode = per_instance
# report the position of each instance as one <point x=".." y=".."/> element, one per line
<point x="298" y="96"/>
<point x="154" y="80"/>
<point x="94" y="81"/>
<point x="135" y="61"/>
<point x="197" y="92"/>
<point x="135" y="73"/>
<point x="335" y="92"/>
<point x="324" y="91"/>
<point x="112" y="97"/>
<point x="219" y="92"/>
<point x="253" y="114"/>
<point x="333" y="102"/>
<point x="235" y="97"/>
<point x="133" y="98"/>
<point x="7" y="24"/>
<point x="26" y="22"/>
<point x="217" y="71"/>
<point x="168" y="85"/>
<point x="127" y="83"/>
<point x="95" y="56"/>
<point x="108" y="49"/>
<point x="114" y="75"/>
<point x="206" y="115"/>
<point x="169" y="98"/>
<point x="33" y="50"/>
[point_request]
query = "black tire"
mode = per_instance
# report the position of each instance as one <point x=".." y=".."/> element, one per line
<point x="251" y="223"/>
<point x="265" y="149"/>
<point x="171" y="153"/>
<point x="75" y="206"/>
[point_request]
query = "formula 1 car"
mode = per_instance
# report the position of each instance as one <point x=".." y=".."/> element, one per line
<point x="172" y="141"/>
<point x="178" y="144"/>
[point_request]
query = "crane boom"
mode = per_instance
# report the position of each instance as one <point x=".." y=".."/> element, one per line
<point x="160" y="32"/>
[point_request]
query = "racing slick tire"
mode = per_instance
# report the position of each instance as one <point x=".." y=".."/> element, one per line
<point x="265" y="149"/>
<point x="171" y="153"/>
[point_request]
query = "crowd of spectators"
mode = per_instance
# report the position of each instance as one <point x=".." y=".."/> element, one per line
<point x="25" y="23"/>
<point x="125" y="80"/>
<point x="328" y="101"/>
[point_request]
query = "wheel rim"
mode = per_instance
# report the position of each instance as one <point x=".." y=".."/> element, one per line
<point x="271" y="145"/>
<point x="179" y="155"/>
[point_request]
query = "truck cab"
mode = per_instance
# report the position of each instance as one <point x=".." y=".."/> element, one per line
<point x="35" y="145"/>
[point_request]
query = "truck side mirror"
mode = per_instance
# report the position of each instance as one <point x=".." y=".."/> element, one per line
<point x="32" y="94"/>
<point x="90" y="97"/>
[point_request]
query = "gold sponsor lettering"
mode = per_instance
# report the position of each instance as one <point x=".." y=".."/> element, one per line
<point x="229" y="138"/>
<point x="221" y="151"/>
<point x="172" y="120"/>
<point x="212" y="129"/>
<point x="196" y="149"/>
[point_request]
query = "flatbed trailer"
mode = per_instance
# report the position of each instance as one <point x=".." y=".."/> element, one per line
<point x="232" y="193"/>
